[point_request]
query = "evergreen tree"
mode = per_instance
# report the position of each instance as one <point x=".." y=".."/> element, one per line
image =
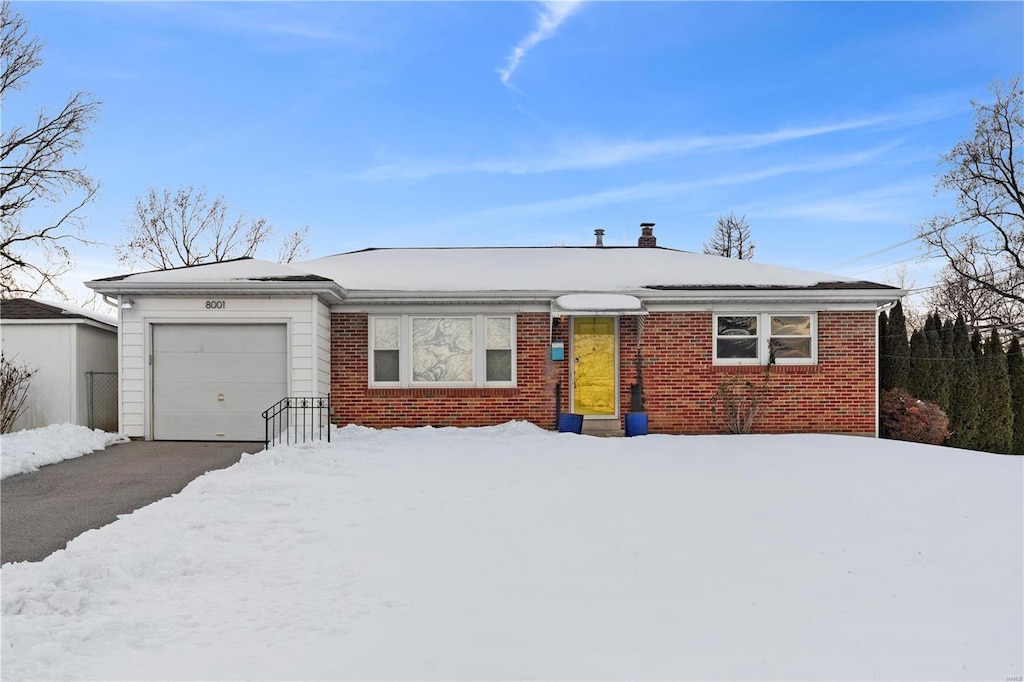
<point x="976" y="344"/>
<point x="1015" y="370"/>
<point x="920" y="368"/>
<point x="947" y="340"/>
<point x="884" y="366"/>
<point x="938" y="375"/>
<point x="963" y="389"/>
<point x="894" y="367"/>
<point x="995" y="417"/>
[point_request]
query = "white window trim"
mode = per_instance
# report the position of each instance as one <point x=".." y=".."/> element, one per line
<point x="763" y="338"/>
<point x="405" y="352"/>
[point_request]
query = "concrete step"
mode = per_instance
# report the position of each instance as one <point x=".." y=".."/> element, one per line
<point x="602" y="427"/>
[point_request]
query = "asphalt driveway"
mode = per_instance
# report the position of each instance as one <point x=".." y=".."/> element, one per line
<point x="41" y="512"/>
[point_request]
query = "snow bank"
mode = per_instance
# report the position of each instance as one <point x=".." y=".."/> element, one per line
<point x="516" y="553"/>
<point x="25" y="451"/>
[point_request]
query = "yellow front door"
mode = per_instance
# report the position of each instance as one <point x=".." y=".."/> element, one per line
<point x="593" y="345"/>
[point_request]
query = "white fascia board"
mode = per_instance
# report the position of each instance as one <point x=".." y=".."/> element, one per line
<point x="71" y="320"/>
<point x="330" y="292"/>
<point x="867" y="299"/>
<point x="458" y="307"/>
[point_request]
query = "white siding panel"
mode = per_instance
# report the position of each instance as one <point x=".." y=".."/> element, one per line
<point x="323" y="352"/>
<point x="49" y="348"/>
<point x="302" y="315"/>
<point x="97" y="352"/>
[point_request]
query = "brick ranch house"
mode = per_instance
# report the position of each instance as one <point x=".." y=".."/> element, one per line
<point x="479" y="336"/>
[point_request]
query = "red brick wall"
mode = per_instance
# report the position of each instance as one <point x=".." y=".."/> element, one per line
<point x="835" y="396"/>
<point x="533" y="399"/>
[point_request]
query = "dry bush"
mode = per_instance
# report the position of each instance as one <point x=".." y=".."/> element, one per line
<point x="904" y="417"/>
<point x="739" y="404"/>
<point x="14" y="383"/>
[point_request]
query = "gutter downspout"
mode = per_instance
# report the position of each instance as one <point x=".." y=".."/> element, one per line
<point x="120" y="357"/>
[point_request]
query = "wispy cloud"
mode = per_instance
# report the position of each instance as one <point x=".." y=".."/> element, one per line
<point x="551" y="16"/>
<point x="899" y="203"/>
<point x="259" y="19"/>
<point x="590" y="154"/>
<point x="652" y="190"/>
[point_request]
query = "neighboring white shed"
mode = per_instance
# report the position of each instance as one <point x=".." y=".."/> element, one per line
<point x="75" y="351"/>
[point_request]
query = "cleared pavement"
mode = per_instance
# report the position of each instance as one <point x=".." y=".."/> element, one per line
<point x="41" y="512"/>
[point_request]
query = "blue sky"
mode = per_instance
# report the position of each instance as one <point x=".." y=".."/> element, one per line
<point x="435" y="124"/>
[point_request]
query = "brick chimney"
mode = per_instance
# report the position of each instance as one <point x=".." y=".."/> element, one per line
<point x="647" y="238"/>
<point x="599" y="234"/>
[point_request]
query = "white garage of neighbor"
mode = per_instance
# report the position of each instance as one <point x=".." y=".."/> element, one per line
<point x="74" y="353"/>
<point x="204" y="353"/>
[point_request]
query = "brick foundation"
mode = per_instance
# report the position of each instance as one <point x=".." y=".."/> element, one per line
<point x="835" y="396"/>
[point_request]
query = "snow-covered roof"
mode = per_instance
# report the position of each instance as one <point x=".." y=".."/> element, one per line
<point x="565" y="269"/>
<point x="241" y="276"/>
<point x="449" y="272"/>
<point x="27" y="310"/>
<point x="240" y="269"/>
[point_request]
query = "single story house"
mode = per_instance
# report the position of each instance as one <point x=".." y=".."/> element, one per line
<point x="75" y="353"/>
<point x="478" y="336"/>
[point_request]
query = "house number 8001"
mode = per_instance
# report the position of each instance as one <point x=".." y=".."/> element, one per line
<point x="215" y="305"/>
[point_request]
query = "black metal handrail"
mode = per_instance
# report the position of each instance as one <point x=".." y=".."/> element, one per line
<point x="297" y="420"/>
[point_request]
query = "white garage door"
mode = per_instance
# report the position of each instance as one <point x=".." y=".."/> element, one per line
<point x="212" y="381"/>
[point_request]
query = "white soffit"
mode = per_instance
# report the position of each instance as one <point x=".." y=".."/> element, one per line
<point x="597" y="304"/>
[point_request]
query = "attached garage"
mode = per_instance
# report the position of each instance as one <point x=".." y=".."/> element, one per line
<point x="212" y="381"/>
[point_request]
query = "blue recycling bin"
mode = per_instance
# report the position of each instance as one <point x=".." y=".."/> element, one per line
<point x="636" y="423"/>
<point x="570" y="423"/>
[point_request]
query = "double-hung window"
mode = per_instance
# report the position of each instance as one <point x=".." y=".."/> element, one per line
<point x="762" y="338"/>
<point x="442" y="350"/>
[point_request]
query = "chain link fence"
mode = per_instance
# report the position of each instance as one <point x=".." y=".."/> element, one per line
<point x="101" y="389"/>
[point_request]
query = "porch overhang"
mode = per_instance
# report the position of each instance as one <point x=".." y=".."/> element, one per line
<point x="593" y="305"/>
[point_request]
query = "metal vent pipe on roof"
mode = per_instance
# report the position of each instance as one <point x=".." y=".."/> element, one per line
<point x="599" y="234"/>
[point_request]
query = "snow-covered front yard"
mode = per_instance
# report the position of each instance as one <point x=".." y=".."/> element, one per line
<point x="512" y="552"/>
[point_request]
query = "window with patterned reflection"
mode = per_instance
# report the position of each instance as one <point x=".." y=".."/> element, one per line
<point x="442" y="350"/>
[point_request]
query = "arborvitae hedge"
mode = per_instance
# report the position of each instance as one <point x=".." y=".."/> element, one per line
<point x="978" y="385"/>
<point x="939" y="376"/>
<point x="947" y="339"/>
<point x="1015" y="370"/>
<point x="995" y="417"/>
<point x="964" y="407"/>
<point x="920" y="383"/>
<point x="894" y="365"/>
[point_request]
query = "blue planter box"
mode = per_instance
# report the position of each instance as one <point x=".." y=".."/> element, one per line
<point x="570" y="423"/>
<point x="636" y="423"/>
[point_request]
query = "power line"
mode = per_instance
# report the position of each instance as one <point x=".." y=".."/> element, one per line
<point x="875" y="253"/>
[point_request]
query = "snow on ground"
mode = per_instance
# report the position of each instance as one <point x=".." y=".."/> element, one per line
<point x="25" y="451"/>
<point x="512" y="552"/>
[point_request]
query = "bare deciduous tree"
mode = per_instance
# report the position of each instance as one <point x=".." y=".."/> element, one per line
<point x="185" y="228"/>
<point x="981" y="307"/>
<point x="294" y="246"/>
<point x="41" y="189"/>
<point x="731" y="238"/>
<point x="15" y="379"/>
<point x="983" y="240"/>
<point x="913" y="314"/>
